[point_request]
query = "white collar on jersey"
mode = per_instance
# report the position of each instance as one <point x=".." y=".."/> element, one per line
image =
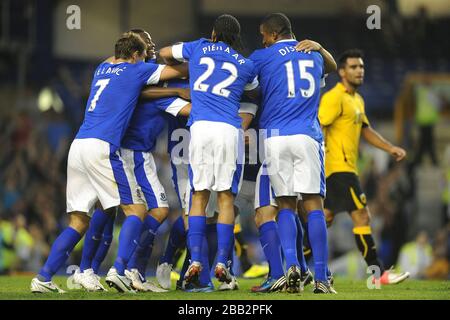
<point x="285" y="40"/>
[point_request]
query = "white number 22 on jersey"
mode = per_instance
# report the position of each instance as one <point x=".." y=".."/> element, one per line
<point x="220" y="88"/>
<point x="102" y="84"/>
<point x="302" y="64"/>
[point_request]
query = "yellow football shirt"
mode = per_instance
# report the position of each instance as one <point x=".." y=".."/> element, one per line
<point x="342" y="117"/>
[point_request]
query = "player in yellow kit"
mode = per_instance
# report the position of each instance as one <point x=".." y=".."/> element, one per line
<point x="343" y="118"/>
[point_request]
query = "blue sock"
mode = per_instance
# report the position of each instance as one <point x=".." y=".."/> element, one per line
<point x="143" y="251"/>
<point x="300" y="255"/>
<point x="205" y="275"/>
<point x="93" y="238"/>
<point x="60" y="251"/>
<point x="197" y="229"/>
<point x="211" y="237"/>
<point x="177" y="240"/>
<point x="288" y="236"/>
<point x="225" y="242"/>
<point x="104" y="245"/>
<point x="128" y="238"/>
<point x="317" y="230"/>
<point x="270" y="242"/>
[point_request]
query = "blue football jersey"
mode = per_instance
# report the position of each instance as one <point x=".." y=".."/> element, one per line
<point x="218" y="76"/>
<point x="114" y="92"/>
<point x="290" y="87"/>
<point x="149" y="119"/>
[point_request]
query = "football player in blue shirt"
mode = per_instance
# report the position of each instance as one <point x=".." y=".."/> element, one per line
<point x="290" y="85"/>
<point x="218" y="77"/>
<point x="96" y="171"/>
<point x="146" y="124"/>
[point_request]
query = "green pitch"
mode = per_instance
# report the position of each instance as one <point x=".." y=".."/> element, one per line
<point x="17" y="287"/>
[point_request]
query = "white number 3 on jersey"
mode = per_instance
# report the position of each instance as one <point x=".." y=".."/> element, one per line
<point x="102" y="84"/>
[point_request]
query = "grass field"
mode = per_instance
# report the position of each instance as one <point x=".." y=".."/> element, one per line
<point x="17" y="288"/>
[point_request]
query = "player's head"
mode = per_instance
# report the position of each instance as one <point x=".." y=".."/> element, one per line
<point x="145" y="36"/>
<point x="130" y="47"/>
<point x="274" y="27"/>
<point x="227" y="29"/>
<point x="351" y="67"/>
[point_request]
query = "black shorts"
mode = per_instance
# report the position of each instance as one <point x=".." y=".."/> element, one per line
<point x="344" y="193"/>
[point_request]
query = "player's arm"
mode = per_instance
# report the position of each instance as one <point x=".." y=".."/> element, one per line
<point x="167" y="55"/>
<point x="247" y="112"/>
<point x="330" y="108"/>
<point x="375" y="139"/>
<point x="328" y="60"/>
<point x="152" y="92"/>
<point x="172" y="72"/>
<point x="185" y="111"/>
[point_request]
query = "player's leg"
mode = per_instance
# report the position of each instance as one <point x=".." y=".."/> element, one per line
<point x="366" y="245"/>
<point x="81" y="197"/>
<point x="317" y="231"/>
<point x="134" y="208"/>
<point x="265" y="219"/>
<point x="141" y="168"/>
<point x="196" y="232"/>
<point x="227" y="150"/>
<point x="225" y="235"/>
<point x="136" y="267"/>
<point x="178" y="234"/>
<point x="288" y="236"/>
<point x="60" y="251"/>
<point x="93" y="236"/>
<point x="87" y="276"/>
<point x="106" y="240"/>
<point x="176" y="242"/>
<point x="309" y="181"/>
<point x="201" y="178"/>
<point x="280" y="161"/>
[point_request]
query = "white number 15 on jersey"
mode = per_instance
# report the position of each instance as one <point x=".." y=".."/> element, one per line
<point x="302" y="64"/>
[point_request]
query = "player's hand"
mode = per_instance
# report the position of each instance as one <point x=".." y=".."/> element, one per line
<point x="308" y="45"/>
<point x="398" y="153"/>
<point x="185" y="93"/>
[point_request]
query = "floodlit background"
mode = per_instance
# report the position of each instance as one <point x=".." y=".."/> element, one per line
<point x="45" y="73"/>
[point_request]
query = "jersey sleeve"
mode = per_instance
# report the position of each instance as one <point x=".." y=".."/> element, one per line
<point x="252" y="85"/>
<point x="182" y="51"/>
<point x="171" y="105"/>
<point x="175" y="107"/>
<point x="330" y="108"/>
<point x="248" y="107"/>
<point x="151" y="72"/>
<point x="255" y="57"/>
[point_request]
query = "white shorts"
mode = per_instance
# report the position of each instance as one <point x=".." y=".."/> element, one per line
<point x="295" y="164"/>
<point x="212" y="206"/>
<point x="142" y="166"/>
<point x="264" y="195"/>
<point x="214" y="150"/>
<point x="96" y="171"/>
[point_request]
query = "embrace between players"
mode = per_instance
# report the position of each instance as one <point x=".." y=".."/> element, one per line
<point x="276" y="89"/>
